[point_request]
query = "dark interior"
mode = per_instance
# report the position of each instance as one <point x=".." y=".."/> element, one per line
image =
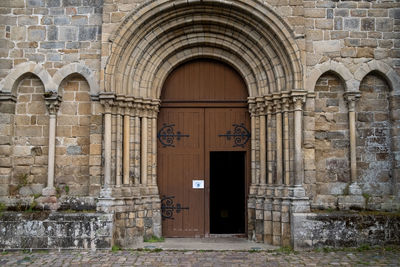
<point x="227" y="192"/>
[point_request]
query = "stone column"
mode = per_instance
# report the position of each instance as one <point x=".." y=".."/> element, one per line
<point x="269" y="144"/>
<point x="263" y="152"/>
<point x="156" y="104"/>
<point x="278" y="116"/>
<point x="143" y="150"/>
<point x="53" y="104"/>
<point x="107" y="100"/>
<point x="298" y="100"/>
<point x="127" y="141"/>
<point x="286" y="150"/>
<point x="137" y="147"/>
<point x="352" y="98"/>
<point x="154" y="148"/>
<point x="252" y="110"/>
<point x="118" y="156"/>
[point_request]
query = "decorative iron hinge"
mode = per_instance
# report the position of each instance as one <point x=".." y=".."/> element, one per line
<point x="168" y="207"/>
<point x="166" y="135"/>
<point x="240" y="135"/>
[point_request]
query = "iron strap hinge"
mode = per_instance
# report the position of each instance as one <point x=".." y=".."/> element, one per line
<point x="168" y="207"/>
<point x="240" y="135"/>
<point x="167" y="135"/>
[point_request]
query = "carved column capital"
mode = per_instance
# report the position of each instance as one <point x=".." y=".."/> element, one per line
<point x="298" y="98"/>
<point x="128" y="108"/>
<point x="352" y="98"/>
<point x="252" y="106"/>
<point x="285" y="102"/>
<point x="260" y="106"/>
<point x="53" y="101"/>
<point x="277" y="104"/>
<point x="107" y="100"/>
<point x="120" y="105"/>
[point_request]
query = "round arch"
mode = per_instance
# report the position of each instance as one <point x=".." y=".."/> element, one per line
<point x="331" y="66"/>
<point x="72" y="68"/>
<point x="158" y="36"/>
<point x="388" y="73"/>
<point x="10" y="83"/>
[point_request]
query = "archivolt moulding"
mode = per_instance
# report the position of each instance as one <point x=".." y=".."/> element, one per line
<point x="154" y="37"/>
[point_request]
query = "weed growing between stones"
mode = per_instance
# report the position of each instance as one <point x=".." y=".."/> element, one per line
<point x="150" y="249"/>
<point x="367" y="198"/>
<point x="2" y="207"/>
<point x="286" y="250"/>
<point x="115" y="248"/>
<point x="154" y="239"/>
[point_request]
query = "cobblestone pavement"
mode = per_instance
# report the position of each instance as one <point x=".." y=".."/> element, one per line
<point x="376" y="257"/>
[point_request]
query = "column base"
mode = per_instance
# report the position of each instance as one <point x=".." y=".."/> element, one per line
<point x="297" y="191"/>
<point x="355" y="189"/>
<point x="137" y="212"/>
<point x="49" y="191"/>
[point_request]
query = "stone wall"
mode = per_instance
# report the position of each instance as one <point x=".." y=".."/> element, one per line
<point x="41" y="230"/>
<point x="345" y="30"/>
<point x="25" y="165"/>
<point x="375" y="143"/>
<point x="73" y="136"/>
<point x="29" y="158"/>
<point x="331" y="140"/>
<point x="7" y="109"/>
<point x="136" y="211"/>
<point x="341" y="229"/>
<point x="50" y="32"/>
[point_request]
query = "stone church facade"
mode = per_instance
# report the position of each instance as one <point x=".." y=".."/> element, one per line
<point x="80" y="97"/>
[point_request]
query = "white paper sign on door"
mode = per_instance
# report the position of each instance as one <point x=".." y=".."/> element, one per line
<point x="198" y="184"/>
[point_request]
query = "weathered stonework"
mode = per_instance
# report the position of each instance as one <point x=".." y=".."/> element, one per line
<point x="56" y="230"/>
<point x="80" y="83"/>
<point x="339" y="229"/>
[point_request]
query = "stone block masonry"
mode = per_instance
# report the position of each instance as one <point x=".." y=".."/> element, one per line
<point x="341" y="229"/>
<point x="50" y="32"/>
<point x="41" y="230"/>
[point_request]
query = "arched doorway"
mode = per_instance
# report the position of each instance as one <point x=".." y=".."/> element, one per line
<point x="153" y="41"/>
<point x="203" y="150"/>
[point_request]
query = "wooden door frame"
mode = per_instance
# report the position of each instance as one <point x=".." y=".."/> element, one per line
<point x="247" y="180"/>
<point x="216" y="104"/>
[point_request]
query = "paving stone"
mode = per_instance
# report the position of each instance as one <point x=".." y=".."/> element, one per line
<point x="374" y="257"/>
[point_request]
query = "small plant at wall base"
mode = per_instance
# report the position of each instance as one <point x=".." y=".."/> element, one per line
<point x="153" y="239"/>
<point x="346" y="190"/>
<point x="367" y="197"/>
<point x="62" y="188"/>
<point x="2" y="207"/>
<point x="23" y="180"/>
<point x="115" y="248"/>
<point x="32" y="206"/>
<point x="58" y="191"/>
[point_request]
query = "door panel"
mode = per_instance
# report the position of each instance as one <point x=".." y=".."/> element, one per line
<point x="182" y="161"/>
<point x="227" y="129"/>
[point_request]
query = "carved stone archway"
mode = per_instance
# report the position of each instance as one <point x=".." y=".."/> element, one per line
<point x="147" y="46"/>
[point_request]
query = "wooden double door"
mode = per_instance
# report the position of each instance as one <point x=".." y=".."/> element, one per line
<point x="201" y="149"/>
<point x="203" y="135"/>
